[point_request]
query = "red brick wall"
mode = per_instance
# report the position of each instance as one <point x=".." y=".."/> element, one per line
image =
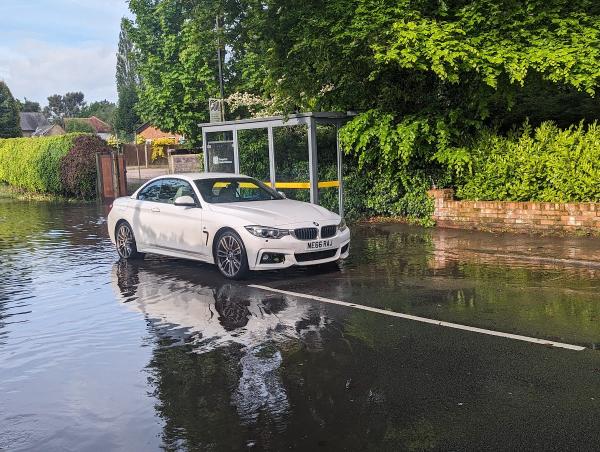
<point x="515" y="216"/>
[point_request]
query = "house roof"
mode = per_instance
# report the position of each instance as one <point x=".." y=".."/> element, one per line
<point x="142" y="127"/>
<point x="44" y="130"/>
<point x="30" y="121"/>
<point x="97" y="124"/>
<point x="146" y="125"/>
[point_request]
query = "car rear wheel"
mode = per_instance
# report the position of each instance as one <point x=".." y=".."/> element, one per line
<point x="230" y="255"/>
<point x="125" y="241"/>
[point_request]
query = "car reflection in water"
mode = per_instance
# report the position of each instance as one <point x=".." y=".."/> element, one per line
<point x="206" y="313"/>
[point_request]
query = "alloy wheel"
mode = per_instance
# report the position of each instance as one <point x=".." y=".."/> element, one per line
<point x="125" y="241"/>
<point x="229" y="255"/>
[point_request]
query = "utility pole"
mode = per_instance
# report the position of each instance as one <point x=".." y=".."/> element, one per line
<point x="220" y="60"/>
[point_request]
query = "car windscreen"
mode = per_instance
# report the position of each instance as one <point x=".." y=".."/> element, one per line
<point x="234" y="189"/>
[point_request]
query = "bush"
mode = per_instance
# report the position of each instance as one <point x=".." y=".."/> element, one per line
<point x="78" y="167"/>
<point x="34" y="163"/>
<point x="545" y="164"/>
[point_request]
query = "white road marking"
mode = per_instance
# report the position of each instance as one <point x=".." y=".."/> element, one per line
<point x="457" y="326"/>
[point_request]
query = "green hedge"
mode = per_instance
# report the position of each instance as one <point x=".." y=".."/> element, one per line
<point x="544" y="164"/>
<point x="33" y="164"/>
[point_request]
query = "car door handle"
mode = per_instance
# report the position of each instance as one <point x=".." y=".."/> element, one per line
<point x="155" y="209"/>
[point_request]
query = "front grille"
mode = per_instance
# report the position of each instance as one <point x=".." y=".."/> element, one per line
<point x="328" y="231"/>
<point x="315" y="256"/>
<point x="306" y="233"/>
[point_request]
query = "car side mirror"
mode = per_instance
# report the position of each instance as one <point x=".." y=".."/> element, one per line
<point x="185" y="201"/>
<point x="282" y="194"/>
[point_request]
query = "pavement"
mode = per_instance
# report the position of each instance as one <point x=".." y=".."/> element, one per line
<point x="137" y="174"/>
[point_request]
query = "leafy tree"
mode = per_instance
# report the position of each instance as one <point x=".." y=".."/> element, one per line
<point x="128" y="82"/>
<point x="77" y="125"/>
<point x="177" y="65"/>
<point x="103" y="109"/>
<point x="29" y="106"/>
<point x="9" y="114"/>
<point x="126" y="118"/>
<point x="65" y="106"/>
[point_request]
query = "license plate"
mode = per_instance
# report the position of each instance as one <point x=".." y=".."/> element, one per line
<point x="319" y="244"/>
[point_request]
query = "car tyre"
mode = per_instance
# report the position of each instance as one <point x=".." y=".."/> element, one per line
<point x="125" y="242"/>
<point x="230" y="255"/>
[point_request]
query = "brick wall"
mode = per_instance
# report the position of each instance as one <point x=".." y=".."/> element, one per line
<point x="542" y="217"/>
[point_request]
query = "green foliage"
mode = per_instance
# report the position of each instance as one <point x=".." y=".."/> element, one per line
<point x="103" y="109"/>
<point x="126" y="118"/>
<point x="176" y="42"/>
<point x="428" y="78"/>
<point x="491" y="38"/>
<point x="68" y="106"/>
<point x="401" y="154"/>
<point x="78" y="167"/>
<point x="77" y="125"/>
<point x="29" y="106"/>
<point x="34" y="163"/>
<point x="545" y="164"/>
<point x="9" y="114"/>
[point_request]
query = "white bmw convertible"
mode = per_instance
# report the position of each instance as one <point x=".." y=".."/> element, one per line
<point x="233" y="221"/>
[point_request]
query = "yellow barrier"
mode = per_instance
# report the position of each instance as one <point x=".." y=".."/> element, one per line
<point x="305" y="185"/>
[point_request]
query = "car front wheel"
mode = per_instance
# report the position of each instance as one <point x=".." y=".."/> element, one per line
<point x="125" y="242"/>
<point x="230" y="255"/>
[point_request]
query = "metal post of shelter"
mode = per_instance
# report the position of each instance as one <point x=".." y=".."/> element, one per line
<point x="340" y="172"/>
<point x="271" y="156"/>
<point x="236" y="152"/>
<point x="313" y="164"/>
<point x="204" y="154"/>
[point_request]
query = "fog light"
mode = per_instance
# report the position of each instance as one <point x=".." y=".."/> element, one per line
<point x="272" y="258"/>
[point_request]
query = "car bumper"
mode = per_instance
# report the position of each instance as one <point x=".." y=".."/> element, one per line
<point x="295" y="252"/>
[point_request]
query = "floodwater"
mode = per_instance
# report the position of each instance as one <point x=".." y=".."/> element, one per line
<point x="164" y="354"/>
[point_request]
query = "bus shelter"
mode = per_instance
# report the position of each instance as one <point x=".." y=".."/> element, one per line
<point x="298" y="154"/>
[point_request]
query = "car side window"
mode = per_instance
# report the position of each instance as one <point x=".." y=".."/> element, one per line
<point x="171" y="189"/>
<point x="150" y="192"/>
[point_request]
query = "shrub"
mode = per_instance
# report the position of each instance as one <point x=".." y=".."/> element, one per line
<point x="34" y="163"/>
<point x="78" y="167"/>
<point x="545" y="164"/>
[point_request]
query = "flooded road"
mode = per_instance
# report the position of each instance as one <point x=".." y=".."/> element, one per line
<point x="97" y="354"/>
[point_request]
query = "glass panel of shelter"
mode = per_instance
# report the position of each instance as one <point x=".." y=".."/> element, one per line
<point x="292" y="173"/>
<point x="220" y="152"/>
<point x="253" y="147"/>
<point x="327" y="170"/>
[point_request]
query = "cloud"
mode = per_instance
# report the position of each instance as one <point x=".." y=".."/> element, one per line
<point x="36" y="70"/>
<point x="55" y="46"/>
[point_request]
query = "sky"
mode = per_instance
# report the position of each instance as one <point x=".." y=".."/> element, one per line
<point x="56" y="46"/>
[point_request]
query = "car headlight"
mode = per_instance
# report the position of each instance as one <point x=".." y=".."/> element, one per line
<point x="342" y="226"/>
<point x="265" y="232"/>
